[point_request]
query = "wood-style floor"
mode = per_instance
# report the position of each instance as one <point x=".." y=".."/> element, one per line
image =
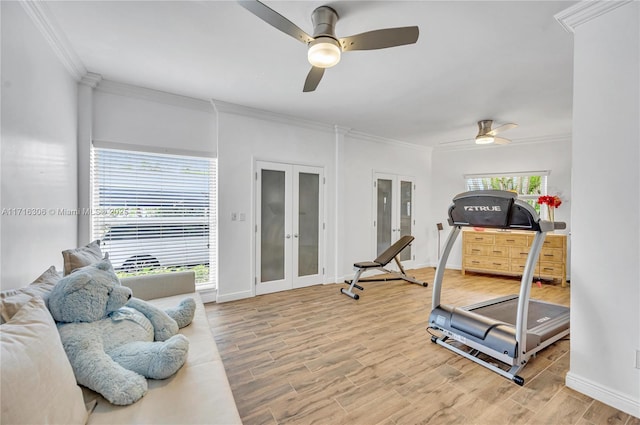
<point x="313" y="355"/>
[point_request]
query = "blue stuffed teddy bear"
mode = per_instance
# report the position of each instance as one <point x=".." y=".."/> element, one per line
<point x="113" y="341"/>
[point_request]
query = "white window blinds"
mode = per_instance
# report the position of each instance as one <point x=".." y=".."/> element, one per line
<point x="155" y="213"/>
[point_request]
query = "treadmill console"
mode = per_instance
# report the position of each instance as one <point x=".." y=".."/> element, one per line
<point x="499" y="209"/>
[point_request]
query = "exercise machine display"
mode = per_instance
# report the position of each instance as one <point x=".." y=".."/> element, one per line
<point x="511" y="328"/>
<point x="379" y="263"/>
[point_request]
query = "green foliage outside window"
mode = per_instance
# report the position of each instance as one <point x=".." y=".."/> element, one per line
<point x="528" y="187"/>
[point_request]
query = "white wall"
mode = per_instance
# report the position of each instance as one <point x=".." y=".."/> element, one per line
<point x="363" y="156"/>
<point x="449" y="167"/>
<point x="349" y="161"/>
<point x="605" y="287"/>
<point x="38" y="153"/>
<point x="245" y="136"/>
<point x="153" y="120"/>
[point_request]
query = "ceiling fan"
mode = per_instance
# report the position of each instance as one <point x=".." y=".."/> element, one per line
<point x="324" y="47"/>
<point x="486" y="135"/>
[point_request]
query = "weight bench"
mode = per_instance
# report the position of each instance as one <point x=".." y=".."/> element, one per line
<point x="383" y="259"/>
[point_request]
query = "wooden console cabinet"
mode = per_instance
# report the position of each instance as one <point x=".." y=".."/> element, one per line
<point x="492" y="251"/>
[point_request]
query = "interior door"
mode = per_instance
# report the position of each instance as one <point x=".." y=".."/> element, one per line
<point x="289" y="226"/>
<point x="308" y="225"/>
<point x="393" y="203"/>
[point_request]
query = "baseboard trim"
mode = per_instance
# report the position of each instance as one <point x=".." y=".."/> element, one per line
<point x="233" y="297"/>
<point x="603" y="394"/>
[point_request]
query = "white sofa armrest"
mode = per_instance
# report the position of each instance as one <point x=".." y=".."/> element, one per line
<point x="148" y="287"/>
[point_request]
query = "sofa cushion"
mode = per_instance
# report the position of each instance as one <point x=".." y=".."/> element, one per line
<point x="12" y="300"/>
<point x="83" y="256"/>
<point x="199" y="393"/>
<point x="38" y="385"/>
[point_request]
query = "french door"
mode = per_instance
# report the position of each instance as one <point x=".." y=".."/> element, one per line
<point x="289" y="226"/>
<point x="393" y="204"/>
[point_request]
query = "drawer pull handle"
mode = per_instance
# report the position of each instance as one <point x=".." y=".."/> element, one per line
<point x="549" y="255"/>
<point x="497" y="264"/>
<point x="547" y="269"/>
<point x="479" y="239"/>
<point x="475" y="262"/>
<point x="475" y="250"/>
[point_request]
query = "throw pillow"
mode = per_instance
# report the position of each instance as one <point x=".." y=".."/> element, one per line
<point x="37" y="382"/>
<point x="12" y="300"/>
<point x="83" y="256"/>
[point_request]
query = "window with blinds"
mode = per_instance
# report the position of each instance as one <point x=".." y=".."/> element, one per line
<point x="155" y="213"/>
<point x="528" y="185"/>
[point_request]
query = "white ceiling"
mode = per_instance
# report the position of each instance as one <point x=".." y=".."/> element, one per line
<point x="504" y="60"/>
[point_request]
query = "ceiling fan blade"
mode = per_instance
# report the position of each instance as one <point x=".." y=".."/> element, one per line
<point x="501" y="141"/>
<point x="502" y="128"/>
<point x="313" y="79"/>
<point x="380" y="39"/>
<point x="275" y="19"/>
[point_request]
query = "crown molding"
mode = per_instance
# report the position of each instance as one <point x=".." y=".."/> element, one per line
<point x="232" y="108"/>
<point x="341" y="130"/>
<point x="585" y="11"/>
<point x="42" y="17"/>
<point x="384" y="140"/>
<point x="246" y="111"/>
<point x="465" y="145"/>
<point x="91" y="79"/>
<point x="129" y="90"/>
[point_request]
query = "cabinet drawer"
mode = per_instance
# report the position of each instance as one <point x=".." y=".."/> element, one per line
<point x="482" y="263"/>
<point x="487" y="250"/>
<point x="552" y="254"/>
<point x="551" y="269"/>
<point x="517" y="265"/>
<point x="478" y="237"/>
<point x="553" y="241"/>
<point x="519" y="252"/>
<point x="510" y="239"/>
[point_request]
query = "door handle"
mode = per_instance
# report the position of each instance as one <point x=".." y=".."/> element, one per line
<point x="295" y="235"/>
<point x="288" y="236"/>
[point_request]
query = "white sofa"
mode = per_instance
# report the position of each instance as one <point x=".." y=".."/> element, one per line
<point x="199" y="393"/>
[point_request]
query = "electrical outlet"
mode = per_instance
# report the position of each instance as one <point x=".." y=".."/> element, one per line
<point x="234" y="216"/>
<point x="243" y="216"/>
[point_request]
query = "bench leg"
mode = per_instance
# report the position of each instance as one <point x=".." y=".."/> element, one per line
<point x="403" y="274"/>
<point x="349" y="292"/>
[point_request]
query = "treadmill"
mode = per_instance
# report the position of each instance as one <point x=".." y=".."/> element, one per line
<point x="511" y="328"/>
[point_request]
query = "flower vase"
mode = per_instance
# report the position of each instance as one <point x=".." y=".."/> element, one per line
<point x="550" y="211"/>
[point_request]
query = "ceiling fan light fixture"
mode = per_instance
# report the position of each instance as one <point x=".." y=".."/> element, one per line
<point x="324" y="52"/>
<point x="484" y="140"/>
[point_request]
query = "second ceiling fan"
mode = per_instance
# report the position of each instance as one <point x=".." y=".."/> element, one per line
<point x="324" y="47"/>
<point x="486" y="135"/>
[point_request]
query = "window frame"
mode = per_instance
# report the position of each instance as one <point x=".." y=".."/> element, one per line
<point x="160" y="204"/>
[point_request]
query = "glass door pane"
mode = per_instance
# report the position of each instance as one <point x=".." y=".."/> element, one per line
<point x="384" y="215"/>
<point x="405" y="215"/>
<point x="272" y="237"/>
<point x="308" y="223"/>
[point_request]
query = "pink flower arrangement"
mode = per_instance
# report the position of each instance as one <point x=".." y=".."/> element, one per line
<point x="552" y="202"/>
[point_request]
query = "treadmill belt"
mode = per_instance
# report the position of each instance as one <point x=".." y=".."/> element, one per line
<point x="506" y="312"/>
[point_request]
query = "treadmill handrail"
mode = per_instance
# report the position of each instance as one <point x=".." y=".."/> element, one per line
<point x="525" y="292"/>
<point x="437" y="280"/>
